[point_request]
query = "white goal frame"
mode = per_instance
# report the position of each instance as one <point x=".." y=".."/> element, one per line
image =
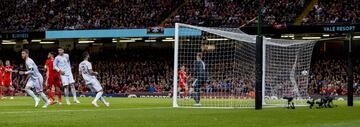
<point x="232" y="35"/>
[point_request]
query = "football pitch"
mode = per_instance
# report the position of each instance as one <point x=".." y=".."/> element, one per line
<point x="157" y="112"/>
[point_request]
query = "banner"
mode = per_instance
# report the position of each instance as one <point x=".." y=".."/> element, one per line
<point x="22" y="35"/>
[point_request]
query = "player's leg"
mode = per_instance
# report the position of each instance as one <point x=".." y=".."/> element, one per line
<point x="39" y="89"/>
<point x="4" y="91"/>
<point x="186" y="91"/>
<point x="197" y="90"/>
<point x="66" y="92"/>
<point x="57" y="85"/>
<point x="96" y="87"/>
<point x="50" y="94"/>
<point x="73" y="90"/>
<point x="29" y="85"/>
<point x="12" y="93"/>
<point x="1" y="89"/>
<point x="8" y="89"/>
<point x="49" y="85"/>
<point x="66" y="84"/>
<point x="58" y="92"/>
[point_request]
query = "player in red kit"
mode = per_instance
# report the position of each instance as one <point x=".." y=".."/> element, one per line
<point x="1" y="78"/>
<point x="8" y="70"/>
<point x="53" y="79"/>
<point x="183" y="80"/>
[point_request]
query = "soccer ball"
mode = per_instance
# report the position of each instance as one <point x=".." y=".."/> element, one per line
<point x="304" y="72"/>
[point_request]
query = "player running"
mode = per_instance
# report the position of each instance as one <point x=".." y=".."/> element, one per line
<point x="85" y="69"/>
<point x="8" y="69"/>
<point x="53" y="79"/>
<point x="35" y="81"/>
<point x="62" y="65"/>
<point x="183" y="81"/>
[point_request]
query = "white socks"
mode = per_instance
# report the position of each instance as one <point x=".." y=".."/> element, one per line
<point x="98" y="95"/>
<point x="31" y="93"/>
<point x="102" y="99"/>
<point x="66" y="92"/>
<point x="73" y="91"/>
<point x="43" y="96"/>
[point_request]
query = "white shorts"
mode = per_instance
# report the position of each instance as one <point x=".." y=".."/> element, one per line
<point x="36" y="83"/>
<point x="94" y="85"/>
<point x="67" y="79"/>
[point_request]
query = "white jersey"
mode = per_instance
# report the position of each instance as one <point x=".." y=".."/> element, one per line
<point x="84" y="68"/>
<point x="32" y="69"/>
<point x="63" y="63"/>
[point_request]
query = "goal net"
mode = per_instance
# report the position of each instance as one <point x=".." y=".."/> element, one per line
<point x="215" y="67"/>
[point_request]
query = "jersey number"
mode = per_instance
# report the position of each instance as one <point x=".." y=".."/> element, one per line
<point x="84" y="70"/>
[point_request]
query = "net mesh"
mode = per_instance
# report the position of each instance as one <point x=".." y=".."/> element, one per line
<point x="227" y="68"/>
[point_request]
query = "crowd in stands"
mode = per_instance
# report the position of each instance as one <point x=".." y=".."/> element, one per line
<point x="41" y="15"/>
<point x="235" y="13"/>
<point x="334" y="11"/>
<point x="331" y="73"/>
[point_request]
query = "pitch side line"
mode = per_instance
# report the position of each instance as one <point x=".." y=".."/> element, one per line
<point x="81" y="110"/>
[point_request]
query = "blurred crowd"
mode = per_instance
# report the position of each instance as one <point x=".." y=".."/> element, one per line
<point x="235" y="13"/>
<point x="41" y="15"/>
<point x="331" y="73"/>
<point x="334" y="11"/>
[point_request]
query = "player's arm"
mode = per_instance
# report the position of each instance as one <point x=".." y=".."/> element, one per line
<point x="55" y="64"/>
<point x="196" y="69"/>
<point x="91" y="70"/>
<point x="30" y="71"/>
<point x="45" y="67"/>
<point x="80" y="72"/>
<point x="9" y="70"/>
<point x="188" y="76"/>
<point x="68" y="59"/>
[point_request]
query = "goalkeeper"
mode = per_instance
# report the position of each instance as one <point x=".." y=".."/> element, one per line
<point x="200" y="77"/>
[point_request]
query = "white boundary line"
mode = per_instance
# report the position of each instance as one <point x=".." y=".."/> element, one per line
<point x="39" y="110"/>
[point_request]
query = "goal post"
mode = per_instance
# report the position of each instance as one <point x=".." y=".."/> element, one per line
<point x="215" y="67"/>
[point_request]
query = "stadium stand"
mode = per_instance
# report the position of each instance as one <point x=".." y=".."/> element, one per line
<point x="42" y="15"/>
<point x="230" y="13"/>
<point x="334" y="12"/>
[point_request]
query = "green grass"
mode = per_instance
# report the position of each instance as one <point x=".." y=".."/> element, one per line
<point x="146" y="112"/>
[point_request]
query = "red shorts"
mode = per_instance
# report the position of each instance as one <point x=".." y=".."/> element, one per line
<point x="7" y="83"/>
<point x="1" y="83"/>
<point x="53" y="80"/>
<point x="182" y="85"/>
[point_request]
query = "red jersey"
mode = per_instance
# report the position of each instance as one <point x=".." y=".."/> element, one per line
<point x="50" y="68"/>
<point x="8" y="72"/>
<point x="182" y="78"/>
<point x="2" y="69"/>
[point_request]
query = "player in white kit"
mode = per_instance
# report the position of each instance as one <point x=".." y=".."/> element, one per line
<point x="35" y="81"/>
<point x="85" y="69"/>
<point x="62" y="65"/>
